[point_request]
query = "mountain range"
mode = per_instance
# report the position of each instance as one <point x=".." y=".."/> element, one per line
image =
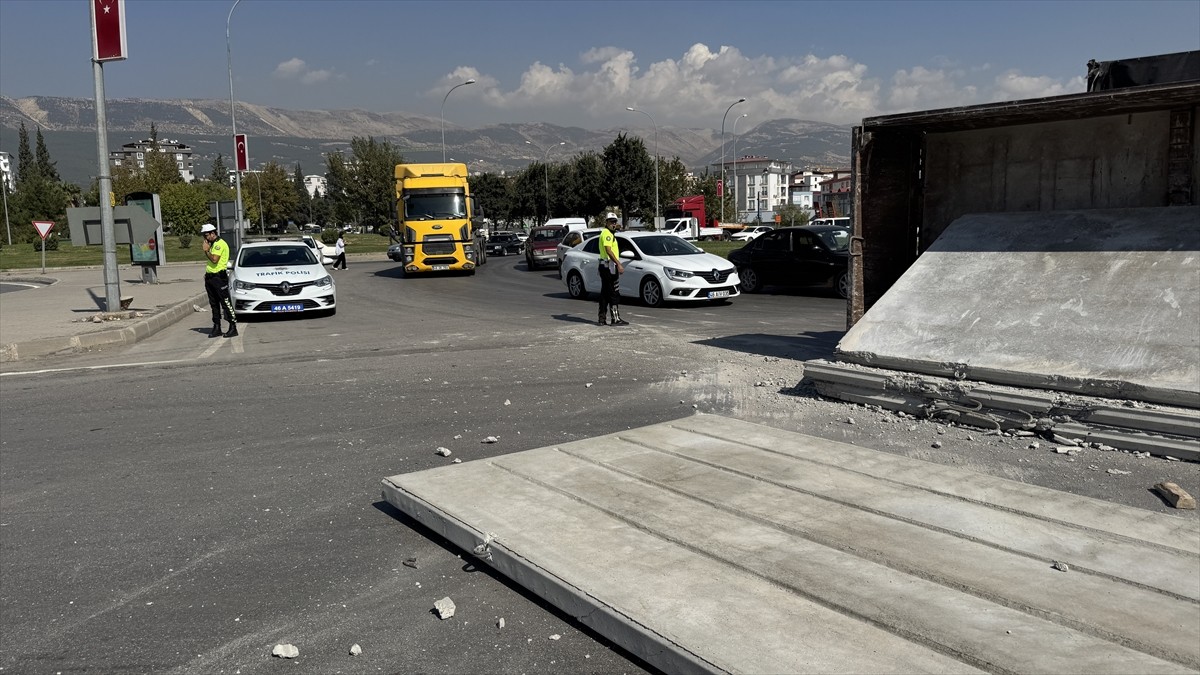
<point x="305" y="136"/>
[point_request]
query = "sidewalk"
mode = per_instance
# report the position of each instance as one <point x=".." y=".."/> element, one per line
<point x="57" y="315"/>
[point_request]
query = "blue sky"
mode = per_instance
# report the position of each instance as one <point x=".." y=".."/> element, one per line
<point x="580" y="63"/>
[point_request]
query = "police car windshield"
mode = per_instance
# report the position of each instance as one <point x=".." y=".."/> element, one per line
<point x="275" y="256"/>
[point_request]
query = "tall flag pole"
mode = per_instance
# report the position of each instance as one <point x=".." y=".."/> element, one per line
<point x="108" y="44"/>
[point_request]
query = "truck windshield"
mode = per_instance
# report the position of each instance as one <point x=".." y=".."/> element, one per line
<point x="434" y="206"/>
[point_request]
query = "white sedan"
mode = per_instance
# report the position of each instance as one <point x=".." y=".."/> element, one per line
<point x="280" y="277"/>
<point x="752" y="232"/>
<point x="658" y="267"/>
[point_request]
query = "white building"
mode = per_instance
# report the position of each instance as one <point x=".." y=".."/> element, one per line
<point x="315" y="184"/>
<point x="135" y="153"/>
<point x="6" y="171"/>
<point x="760" y="186"/>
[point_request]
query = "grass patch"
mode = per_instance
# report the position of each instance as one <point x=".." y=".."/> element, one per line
<point x="22" y="256"/>
<point x="721" y="248"/>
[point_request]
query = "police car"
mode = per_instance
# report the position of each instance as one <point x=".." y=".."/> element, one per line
<point x="280" y="277"/>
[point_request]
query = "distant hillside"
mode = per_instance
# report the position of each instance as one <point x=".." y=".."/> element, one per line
<point x="304" y="136"/>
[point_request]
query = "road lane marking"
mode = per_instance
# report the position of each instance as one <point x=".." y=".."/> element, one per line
<point x="104" y="367"/>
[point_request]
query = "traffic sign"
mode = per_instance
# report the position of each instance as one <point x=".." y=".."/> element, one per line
<point x="43" y="227"/>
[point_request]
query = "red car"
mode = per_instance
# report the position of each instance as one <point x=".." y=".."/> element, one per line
<point x="541" y="248"/>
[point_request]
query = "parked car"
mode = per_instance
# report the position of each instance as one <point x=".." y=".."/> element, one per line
<point x="752" y="232"/>
<point x="658" y="267"/>
<point x="840" y="221"/>
<point x="323" y="252"/>
<point x="503" y="243"/>
<point x="541" y="248"/>
<point x="395" y="252"/>
<point x="796" y="256"/>
<point x="274" y="277"/>
<point x="573" y="239"/>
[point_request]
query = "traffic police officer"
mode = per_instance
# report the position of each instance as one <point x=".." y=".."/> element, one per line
<point x="610" y="274"/>
<point x="216" y="281"/>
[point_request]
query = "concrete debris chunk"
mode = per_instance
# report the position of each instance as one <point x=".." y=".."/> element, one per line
<point x="456" y="461"/>
<point x="288" y="651"/>
<point x="444" y="452"/>
<point x="444" y="608"/>
<point x="849" y="420"/>
<point x="556" y="636"/>
<point x="500" y="622"/>
<point x="1175" y="495"/>
<point x="936" y="444"/>
<point x="1062" y="451"/>
<point x="1117" y="472"/>
<point x="1061" y="566"/>
<point x="507" y="402"/>
<point x="1034" y="445"/>
<point x="587" y="385"/>
<point x="355" y="650"/>
<point x="490" y="439"/>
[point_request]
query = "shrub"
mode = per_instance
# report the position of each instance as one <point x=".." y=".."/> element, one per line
<point x="329" y="236"/>
<point x="185" y="240"/>
<point x="51" y="243"/>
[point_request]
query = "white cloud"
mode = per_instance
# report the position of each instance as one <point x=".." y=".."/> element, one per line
<point x="297" y="69"/>
<point x="697" y="88"/>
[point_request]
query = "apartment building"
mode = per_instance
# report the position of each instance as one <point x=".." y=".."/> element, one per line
<point x="135" y="153"/>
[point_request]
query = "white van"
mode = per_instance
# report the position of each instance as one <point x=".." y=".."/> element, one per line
<point x="570" y="224"/>
<point x="840" y="222"/>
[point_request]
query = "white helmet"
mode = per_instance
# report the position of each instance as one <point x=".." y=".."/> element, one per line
<point x="207" y="227"/>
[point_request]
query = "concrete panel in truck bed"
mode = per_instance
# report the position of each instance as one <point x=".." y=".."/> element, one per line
<point x="1103" y="302"/>
<point x="711" y="544"/>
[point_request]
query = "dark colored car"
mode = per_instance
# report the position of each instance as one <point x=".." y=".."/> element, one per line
<point x="816" y="255"/>
<point x="504" y="243"/>
<point x="541" y="248"/>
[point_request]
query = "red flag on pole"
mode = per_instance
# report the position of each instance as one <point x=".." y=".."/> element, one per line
<point x="108" y="30"/>
<point x="243" y="156"/>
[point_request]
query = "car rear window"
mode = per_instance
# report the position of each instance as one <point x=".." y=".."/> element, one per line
<point x="549" y="234"/>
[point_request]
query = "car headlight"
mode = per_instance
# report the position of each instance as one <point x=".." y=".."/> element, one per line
<point x="325" y="282"/>
<point x="677" y="275"/>
<point x="243" y="285"/>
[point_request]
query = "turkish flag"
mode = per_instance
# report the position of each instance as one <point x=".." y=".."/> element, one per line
<point x="108" y="30"/>
<point x="243" y="155"/>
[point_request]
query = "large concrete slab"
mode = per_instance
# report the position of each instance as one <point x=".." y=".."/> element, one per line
<point x="713" y="544"/>
<point x="1103" y="302"/>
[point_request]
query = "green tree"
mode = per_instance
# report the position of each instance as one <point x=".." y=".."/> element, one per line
<point x="629" y="176"/>
<point x="375" y="180"/>
<point x="673" y="180"/>
<point x="25" y="164"/>
<point x="161" y="167"/>
<point x="43" y="164"/>
<point x="492" y="194"/>
<point x="587" y="193"/>
<point x="184" y="207"/>
<point x="339" y="189"/>
<point x="272" y="188"/>
<point x="220" y="172"/>
<point x="303" y="211"/>
<point x="791" y="214"/>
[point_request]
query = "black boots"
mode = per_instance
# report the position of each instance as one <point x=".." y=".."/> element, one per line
<point x="216" y="331"/>
<point x="616" y="317"/>
<point x="232" y="332"/>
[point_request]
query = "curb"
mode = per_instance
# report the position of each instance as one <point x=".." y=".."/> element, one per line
<point x="129" y="334"/>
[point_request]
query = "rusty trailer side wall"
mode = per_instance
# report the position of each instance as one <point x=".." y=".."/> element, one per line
<point x="916" y="173"/>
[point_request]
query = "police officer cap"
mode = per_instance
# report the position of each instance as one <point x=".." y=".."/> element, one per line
<point x="611" y="216"/>
<point x="207" y="227"/>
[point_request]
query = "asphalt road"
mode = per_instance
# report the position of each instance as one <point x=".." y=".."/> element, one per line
<point x="185" y="504"/>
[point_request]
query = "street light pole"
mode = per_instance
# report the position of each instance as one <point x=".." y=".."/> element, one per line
<point x="740" y="100"/>
<point x="656" y="202"/>
<point x="262" y="224"/>
<point x="546" y="169"/>
<point x="237" y="175"/>
<point x="442" y="114"/>
<point x="736" y="203"/>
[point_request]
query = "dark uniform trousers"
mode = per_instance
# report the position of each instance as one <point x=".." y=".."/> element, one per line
<point x="217" y="286"/>
<point x="610" y="290"/>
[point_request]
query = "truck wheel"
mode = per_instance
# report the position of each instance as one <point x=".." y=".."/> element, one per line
<point x="750" y="281"/>
<point x="651" y="292"/>
<point x="575" y="287"/>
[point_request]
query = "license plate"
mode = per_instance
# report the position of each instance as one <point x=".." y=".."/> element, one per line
<point x="718" y="294"/>
<point x="287" y="307"/>
<point x="439" y="268"/>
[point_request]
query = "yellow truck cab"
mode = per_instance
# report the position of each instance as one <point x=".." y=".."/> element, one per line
<point x="436" y="217"/>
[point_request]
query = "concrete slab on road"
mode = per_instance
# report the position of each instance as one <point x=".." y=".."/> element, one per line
<point x="714" y="544"/>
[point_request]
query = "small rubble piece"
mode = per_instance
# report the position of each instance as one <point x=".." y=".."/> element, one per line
<point x="849" y="420"/>
<point x="1175" y="495"/>
<point x="1064" y="440"/>
<point x="355" y="650"/>
<point x="507" y="402"/>
<point x="556" y="636"/>
<point x="500" y="622"/>
<point x="588" y="385"/>
<point x="444" y="452"/>
<point x="1117" y="472"/>
<point x="1061" y="566"/>
<point x="456" y="461"/>
<point x="1063" y="451"/>
<point x="410" y="562"/>
<point x="936" y="444"/>
<point x="484" y="549"/>
<point x="1034" y="445"/>
<point x="288" y="651"/>
<point x="444" y="608"/>
<point x="760" y="383"/>
<point x="196" y="308"/>
<point x="490" y="439"/>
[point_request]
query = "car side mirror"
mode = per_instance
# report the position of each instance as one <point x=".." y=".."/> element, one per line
<point x="628" y="255"/>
